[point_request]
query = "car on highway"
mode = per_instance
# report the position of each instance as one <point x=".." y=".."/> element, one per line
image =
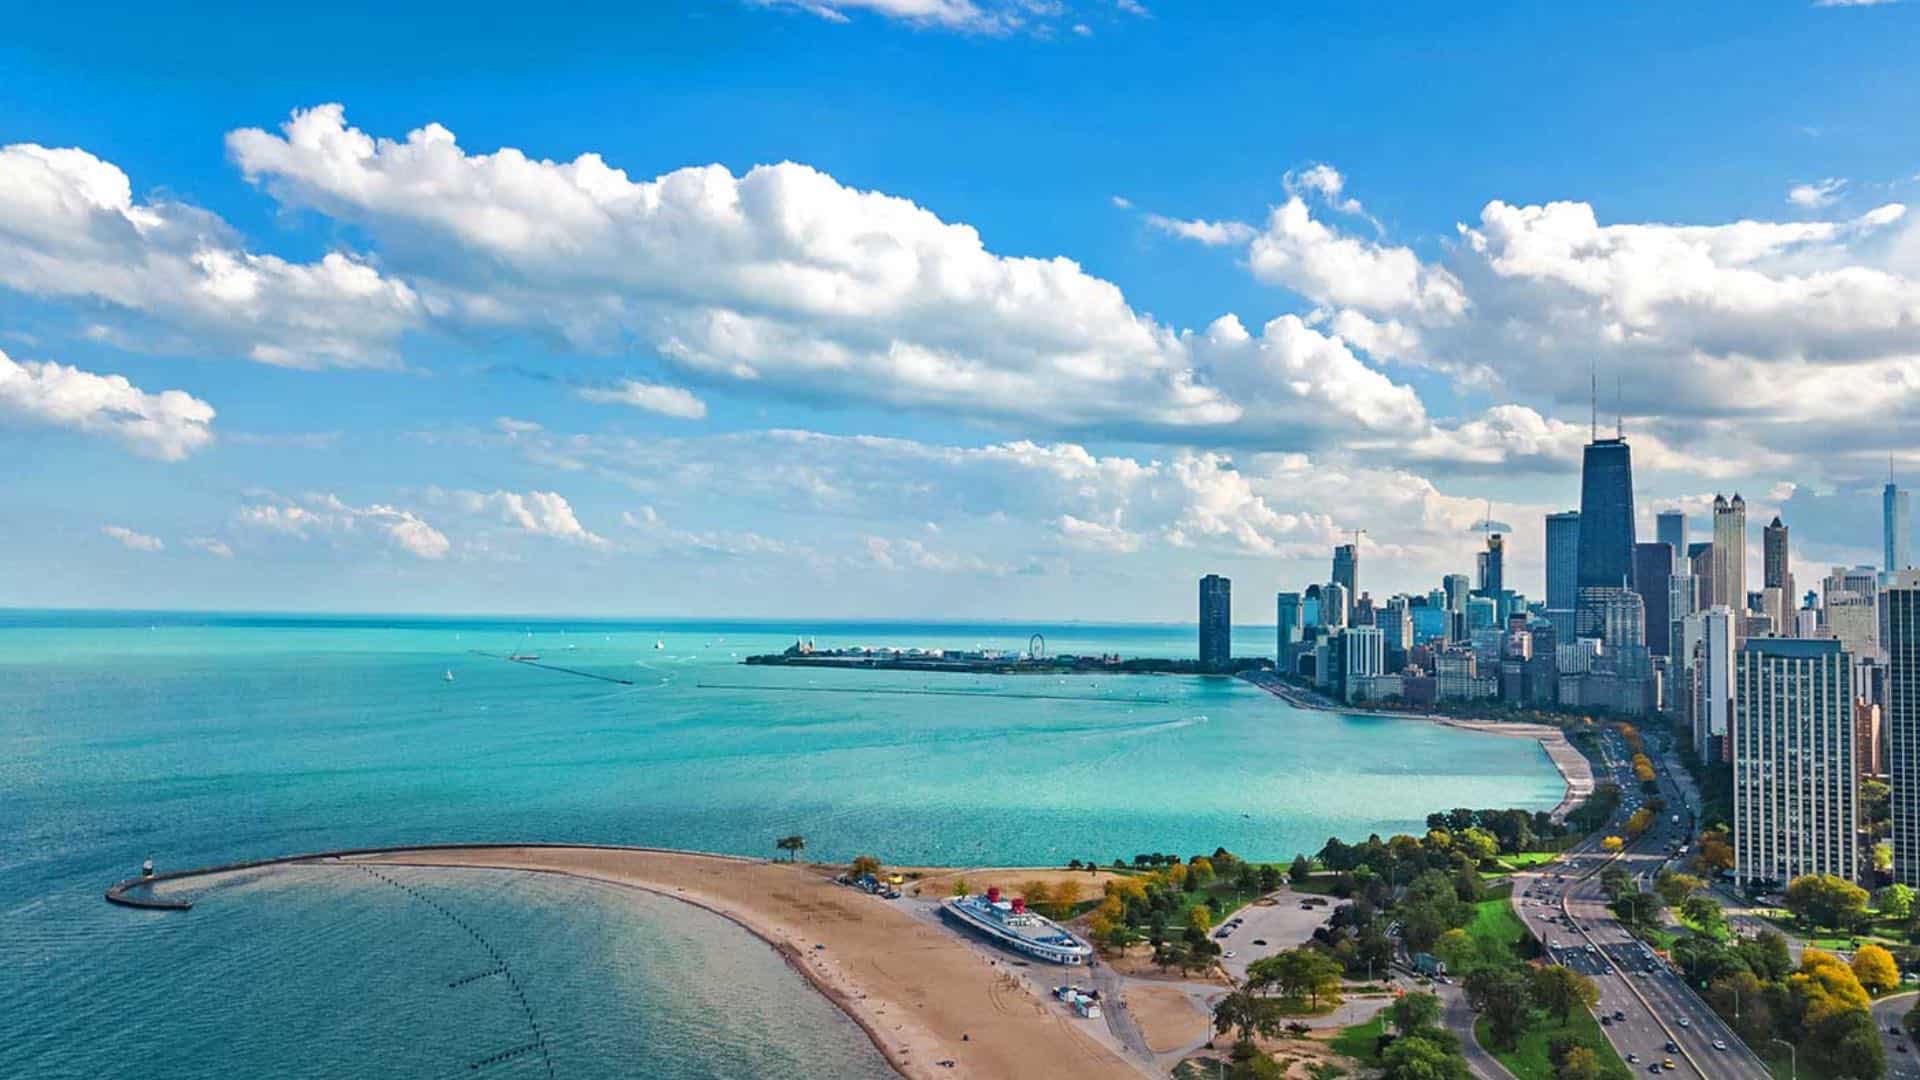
<point x="1619" y="1015"/>
<point x="1719" y="1044"/>
<point x="1684" y="1022"/>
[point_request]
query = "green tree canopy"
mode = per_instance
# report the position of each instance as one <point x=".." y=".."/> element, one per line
<point x="1826" y="900"/>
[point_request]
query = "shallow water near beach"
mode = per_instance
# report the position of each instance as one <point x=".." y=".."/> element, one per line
<point x="203" y="739"/>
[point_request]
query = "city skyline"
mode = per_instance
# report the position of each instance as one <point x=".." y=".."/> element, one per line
<point x="352" y="330"/>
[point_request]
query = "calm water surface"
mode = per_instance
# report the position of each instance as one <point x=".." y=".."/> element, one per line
<point x="200" y="739"/>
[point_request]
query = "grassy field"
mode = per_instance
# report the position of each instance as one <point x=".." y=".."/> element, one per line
<point x="1527" y="859"/>
<point x="1358" y="1041"/>
<point x="1495" y="921"/>
<point x="1529" y="1060"/>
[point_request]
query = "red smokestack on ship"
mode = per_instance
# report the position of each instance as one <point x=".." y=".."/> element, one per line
<point x="1019" y="905"/>
<point x="993" y="895"/>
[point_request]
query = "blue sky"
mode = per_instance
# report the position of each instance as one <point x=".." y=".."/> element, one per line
<point x="964" y="354"/>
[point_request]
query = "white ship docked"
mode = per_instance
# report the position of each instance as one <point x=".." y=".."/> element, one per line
<point x="1009" y="923"/>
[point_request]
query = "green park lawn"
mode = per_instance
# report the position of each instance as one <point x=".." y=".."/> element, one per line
<point x="1529" y="1060"/>
<point x="1359" y="1041"/>
<point x="1528" y="859"/>
<point x="1495" y="921"/>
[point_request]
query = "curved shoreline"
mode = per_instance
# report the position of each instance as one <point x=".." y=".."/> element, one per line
<point x="941" y="1000"/>
<point x="1574" y="768"/>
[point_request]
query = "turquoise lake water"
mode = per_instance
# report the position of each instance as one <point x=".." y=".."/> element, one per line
<point x="203" y="739"/>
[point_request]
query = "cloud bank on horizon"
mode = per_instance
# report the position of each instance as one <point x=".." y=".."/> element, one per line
<point x="1028" y="417"/>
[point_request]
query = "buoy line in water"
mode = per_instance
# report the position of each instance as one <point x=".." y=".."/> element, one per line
<point x="501" y="967"/>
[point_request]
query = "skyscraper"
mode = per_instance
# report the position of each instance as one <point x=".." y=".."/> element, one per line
<point x="1776" y="578"/>
<point x="1795" y="766"/>
<point x="1493" y="567"/>
<point x="1216" y="623"/>
<point x="1563" y="559"/>
<point x="1670" y="527"/>
<point x="1713" y="674"/>
<point x="1895" y="521"/>
<point x="1606" y="515"/>
<point x="1604" y="568"/>
<point x="1289" y="612"/>
<point x="1346" y="569"/>
<point x="1653" y="580"/>
<point x="1902" y="720"/>
<point x="1730" y="556"/>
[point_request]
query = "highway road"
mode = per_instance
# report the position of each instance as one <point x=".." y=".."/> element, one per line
<point x="1902" y="1062"/>
<point x="1645" y="1006"/>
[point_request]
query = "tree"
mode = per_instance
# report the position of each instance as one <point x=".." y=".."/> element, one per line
<point x="1874" y="967"/>
<point x="864" y="864"/>
<point x="1674" y="887"/>
<point x="1199" y="918"/>
<point x="960" y="887"/>
<point x="1705" y="915"/>
<point x="1612" y="845"/>
<point x="1875" y="807"/>
<point x="1296" y="973"/>
<point x="1413" y="1012"/>
<point x="792" y="845"/>
<point x="1503" y="997"/>
<point x="1248" y="1013"/>
<point x="1579" y="1063"/>
<point x="1562" y="990"/>
<point x="1422" y="1057"/>
<point x="1638" y="908"/>
<point x="1894" y="901"/>
<point x="1479" y="844"/>
<point x="1270" y="879"/>
<point x="1715" y="852"/>
<point x="1883" y="856"/>
<point x="1457" y="948"/>
<point x="1825" y="900"/>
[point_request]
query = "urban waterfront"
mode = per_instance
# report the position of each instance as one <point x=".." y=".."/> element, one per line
<point x="198" y="740"/>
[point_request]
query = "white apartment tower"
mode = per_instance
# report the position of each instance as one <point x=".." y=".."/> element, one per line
<point x="1795" y="766"/>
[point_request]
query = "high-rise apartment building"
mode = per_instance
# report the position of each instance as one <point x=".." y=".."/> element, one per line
<point x="1850" y="609"/>
<point x="1670" y="528"/>
<point x="1346" y="569"/>
<point x="1216" y="623"/>
<point x="1730" y="556"/>
<point x="1336" y="605"/>
<point x="1902" y="720"/>
<point x="1563" y="560"/>
<point x="1795" y="769"/>
<point x="1896" y="521"/>
<point x="1712" y="682"/>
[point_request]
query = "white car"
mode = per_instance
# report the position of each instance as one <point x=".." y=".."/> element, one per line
<point x="1719" y="1044"/>
<point x="1684" y="1022"/>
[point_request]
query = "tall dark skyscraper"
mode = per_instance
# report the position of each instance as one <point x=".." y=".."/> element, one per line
<point x="1606" y="515"/>
<point x="1605" y="565"/>
<point x="1216" y="622"/>
<point x="1653" y="580"/>
<point x="1563" y="559"/>
<point x="1346" y="569"/>
<point x="1773" y="556"/>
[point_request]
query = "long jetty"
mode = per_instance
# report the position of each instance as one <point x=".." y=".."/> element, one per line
<point x="554" y="667"/>
<point x="129" y="893"/>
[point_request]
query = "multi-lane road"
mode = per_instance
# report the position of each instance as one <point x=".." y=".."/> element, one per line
<point x="1645" y="1006"/>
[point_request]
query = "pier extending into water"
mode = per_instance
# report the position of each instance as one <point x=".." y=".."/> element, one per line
<point x="553" y="667"/>
<point x="929" y="692"/>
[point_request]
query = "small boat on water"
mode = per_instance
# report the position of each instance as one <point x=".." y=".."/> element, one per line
<point x="449" y="675"/>
<point x="658" y="644"/>
<point x="1010" y="924"/>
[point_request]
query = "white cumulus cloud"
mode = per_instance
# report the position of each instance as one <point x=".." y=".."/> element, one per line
<point x="133" y="541"/>
<point x="168" y="425"/>
<point x="653" y="397"/>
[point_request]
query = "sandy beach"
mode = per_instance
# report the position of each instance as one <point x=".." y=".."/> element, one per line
<point x="921" y="992"/>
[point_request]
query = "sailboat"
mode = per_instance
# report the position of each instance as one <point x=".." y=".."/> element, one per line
<point x="449" y="676"/>
<point x="658" y="644"/>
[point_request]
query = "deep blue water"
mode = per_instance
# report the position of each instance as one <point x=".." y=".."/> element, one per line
<point x="198" y="739"/>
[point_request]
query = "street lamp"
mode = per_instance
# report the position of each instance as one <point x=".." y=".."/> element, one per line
<point x="1793" y="1058"/>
